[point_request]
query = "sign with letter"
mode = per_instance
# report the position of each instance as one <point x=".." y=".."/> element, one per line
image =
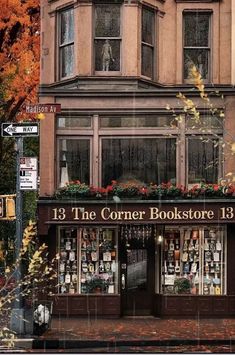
<point x="20" y="129"/>
<point x="28" y="173"/>
<point x="42" y="108"/>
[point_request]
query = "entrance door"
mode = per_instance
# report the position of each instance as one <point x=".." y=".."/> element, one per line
<point x="137" y="276"/>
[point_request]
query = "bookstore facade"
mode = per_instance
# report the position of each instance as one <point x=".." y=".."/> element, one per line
<point x="161" y="258"/>
<point x="136" y="169"/>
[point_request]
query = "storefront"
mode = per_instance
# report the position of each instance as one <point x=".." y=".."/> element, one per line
<point x="140" y="257"/>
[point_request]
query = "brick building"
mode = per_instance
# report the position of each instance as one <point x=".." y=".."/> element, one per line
<point x="114" y="66"/>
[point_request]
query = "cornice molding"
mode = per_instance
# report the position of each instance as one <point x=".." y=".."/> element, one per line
<point x="134" y="86"/>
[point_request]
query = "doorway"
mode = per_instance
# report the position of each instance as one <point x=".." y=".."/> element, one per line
<point x="137" y="275"/>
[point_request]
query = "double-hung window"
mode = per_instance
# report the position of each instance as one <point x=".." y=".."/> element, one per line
<point x="107" y="37"/>
<point x="66" y="43"/>
<point x="148" y="38"/>
<point x="197" y="43"/>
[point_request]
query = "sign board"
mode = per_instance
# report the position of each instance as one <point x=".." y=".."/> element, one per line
<point x="28" y="173"/>
<point x="42" y="108"/>
<point x="20" y="129"/>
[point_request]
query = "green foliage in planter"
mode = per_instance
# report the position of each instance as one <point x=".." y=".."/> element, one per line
<point x="182" y="285"/>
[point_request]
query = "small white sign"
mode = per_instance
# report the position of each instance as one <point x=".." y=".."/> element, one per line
<point x="28" y="163"/>
<point x="28" y="173"/>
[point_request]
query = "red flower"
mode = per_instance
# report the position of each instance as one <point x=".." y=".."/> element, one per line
<point x="216" y="187"/>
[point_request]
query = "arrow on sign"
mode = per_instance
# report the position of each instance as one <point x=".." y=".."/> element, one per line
<point x="20" y="129"/>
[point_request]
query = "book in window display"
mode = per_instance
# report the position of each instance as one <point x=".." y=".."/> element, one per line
<point x="68" y="261"/>
<point x="200" y="261"/>
<point x="213" y="271"/>
<point x="98" y="260"/>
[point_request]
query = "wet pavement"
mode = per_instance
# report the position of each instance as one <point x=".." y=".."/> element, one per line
<point x="139" y="334"/>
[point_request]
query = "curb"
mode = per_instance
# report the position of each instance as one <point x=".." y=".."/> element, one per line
<point x="82" y="344"/>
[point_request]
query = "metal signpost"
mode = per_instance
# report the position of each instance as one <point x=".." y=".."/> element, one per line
<point x="24" y="181"/>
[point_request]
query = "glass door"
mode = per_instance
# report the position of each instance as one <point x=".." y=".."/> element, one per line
<point x="137" y="275"/>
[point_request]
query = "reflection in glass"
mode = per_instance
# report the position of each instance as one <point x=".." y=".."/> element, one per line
<point x="67" y="25"/>
<point x="73" y="122"/>
<point x="136" y="269"/>
<point x="147" y="61"/>
<point x="145" y="159"/>
<point x="138" y="121"/>
<point x="147" y="26"/>
<point x="74" y="160"/>
<point x="198" y="58"/>
<point x="203" y="159"/>
<point x="196" y="29"/>
<point x="209" y="122"/>
<point x="67" y="60"/>
<point x="107" y="20"/>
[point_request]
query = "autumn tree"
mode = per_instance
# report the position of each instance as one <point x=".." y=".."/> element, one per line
<point x="19" y="78"/>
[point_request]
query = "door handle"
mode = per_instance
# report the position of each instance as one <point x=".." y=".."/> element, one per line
<point x="123" y="282"/>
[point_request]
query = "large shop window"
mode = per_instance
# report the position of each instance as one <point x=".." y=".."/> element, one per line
<point x="203" y="160"/>
<point x="66" y="43"/>
<point x="194" y="261"/>
<point x="196" y="43"/>
<point x="148" y="38"/>
<point x="107" y="37"/>
<point x="88" y="260"/>
<point x="144" y="159"/>
<point x="74" y="161"/>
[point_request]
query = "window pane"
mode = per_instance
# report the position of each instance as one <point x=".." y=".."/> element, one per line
<point x="198" y="58"/>
<point x="107" y="55"/>
<point x="193" y="261"/>
<point x="196" y="30"/>
<point x="107" y="20"/>
<point x="67" y="60"/>
<point x="73" y="122"/>
<point x="67" y="26"/>
<point x="138" y="121"/>
<point x="74" y="160"/>
<point x="144" y="159"/>
<point x="209" y="122"/>
<point x="147" y="26"/>
<point x="147" y="61"/>
<point x="203" y="159"/>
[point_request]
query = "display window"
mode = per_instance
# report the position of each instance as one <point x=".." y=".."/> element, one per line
<point x="194" y="261"/>
<point x="88" y="260"/>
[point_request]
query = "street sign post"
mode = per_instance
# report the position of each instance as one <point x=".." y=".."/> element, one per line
<point x="28" y="173"/>
<point x="1" y="207"/>
<point x="20" y="129"/>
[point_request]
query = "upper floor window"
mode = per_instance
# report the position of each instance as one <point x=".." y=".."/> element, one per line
<point x="197" y="43"/>
<point x="144" y="159"/>
<point x="148" y="38"/>
<point x="107" y="37"/>
<point x="66" y="43"/>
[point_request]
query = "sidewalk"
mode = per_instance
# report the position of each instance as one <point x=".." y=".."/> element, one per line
<point x="139" y="333"/>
